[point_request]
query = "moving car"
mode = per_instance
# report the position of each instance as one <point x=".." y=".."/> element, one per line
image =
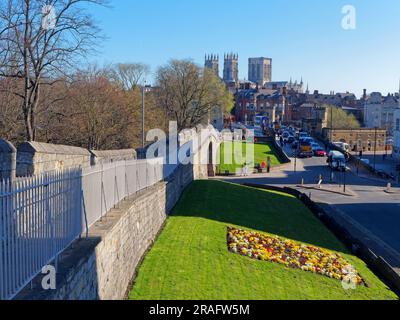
<point x="291" y="139"/>
<point x="320" y="152"/>
<point x="315" y="145"/>
<point x="288" y="137"/>
<point x="305" y="150"/>
<point x="337" y="161"/>
<point x="308" y="140"/>
<point x="303" y="135"/>
<point x="260" y="122"/>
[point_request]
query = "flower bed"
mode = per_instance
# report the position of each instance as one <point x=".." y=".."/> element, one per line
<point x="292" y="254"/>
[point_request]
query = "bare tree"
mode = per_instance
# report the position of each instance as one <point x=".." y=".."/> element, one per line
<point x="129" y="75"/>
<point x="11" y="123"/>
<point x="42" y="41"/>
<point x="189" y="93"/>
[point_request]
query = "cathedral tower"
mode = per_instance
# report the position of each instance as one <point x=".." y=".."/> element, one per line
<point x="231" y="68"/>
<point x="212" y="62"/>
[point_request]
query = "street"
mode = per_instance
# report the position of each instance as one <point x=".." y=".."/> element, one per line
<point x="372" y="214"/>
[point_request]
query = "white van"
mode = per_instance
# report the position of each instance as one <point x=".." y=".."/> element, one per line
<point x="343" y="146"/>
<point x="337" y="161"/>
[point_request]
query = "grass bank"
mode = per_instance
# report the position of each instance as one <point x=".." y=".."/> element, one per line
<point x="191" y="261"/>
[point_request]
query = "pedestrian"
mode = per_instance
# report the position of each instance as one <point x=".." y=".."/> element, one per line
<point x="268" y="164"/>
<point x="242" y="173"/>
<point x="246" y="170"/>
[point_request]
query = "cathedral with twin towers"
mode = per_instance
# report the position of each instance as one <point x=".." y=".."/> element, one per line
<point x="259" y="71"/>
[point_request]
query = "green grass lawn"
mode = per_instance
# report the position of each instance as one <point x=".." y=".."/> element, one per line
<point x="261" y="152"/>
<point x="191" y="261"/>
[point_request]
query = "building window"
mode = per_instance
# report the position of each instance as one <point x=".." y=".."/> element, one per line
<point x="398" y="124"/>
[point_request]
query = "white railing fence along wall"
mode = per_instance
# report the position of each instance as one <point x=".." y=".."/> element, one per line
<point x="104" y="186"/>
<point x="42" y="215"/>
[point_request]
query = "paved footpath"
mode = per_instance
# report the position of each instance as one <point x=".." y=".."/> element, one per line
<point x="371" y="214"/>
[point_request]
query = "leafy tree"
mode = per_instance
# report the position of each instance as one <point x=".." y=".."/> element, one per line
<point x="340" y="119"/>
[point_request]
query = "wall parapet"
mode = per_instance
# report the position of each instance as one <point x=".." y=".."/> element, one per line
<point x="8" y="157"/>
<point x="108" y="156"/>
<point x="36" y="157"/>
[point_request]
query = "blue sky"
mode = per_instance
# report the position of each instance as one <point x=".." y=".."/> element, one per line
<point x="303" y="37"/>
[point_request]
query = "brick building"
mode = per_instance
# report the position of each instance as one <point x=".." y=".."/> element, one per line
<point x="362" y="139"/>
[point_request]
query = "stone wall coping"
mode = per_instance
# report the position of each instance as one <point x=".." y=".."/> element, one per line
<point x="113" y="153"/>
<point x="7" y="146"/>
<point x="41" y="147"/>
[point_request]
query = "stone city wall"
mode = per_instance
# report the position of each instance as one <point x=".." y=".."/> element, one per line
<point x="108" y="156"/>
<point x="102" y="266"/>
<point x="36" y="157"/>
<point x="8" y="156"/>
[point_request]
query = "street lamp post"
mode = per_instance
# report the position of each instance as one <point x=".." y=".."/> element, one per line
<point x="344" y="179"/>
<point x="376" y="132"/>
<point x="331" y="124"/>
<point x="143" y="114"/>
<point x="331" y="140"/>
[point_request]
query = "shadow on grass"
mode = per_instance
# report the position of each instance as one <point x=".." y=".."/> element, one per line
<point x="250" y="208"/>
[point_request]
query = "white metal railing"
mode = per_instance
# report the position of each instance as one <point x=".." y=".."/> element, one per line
<point x="106" y="185"/>
<point x="42" y="215"/>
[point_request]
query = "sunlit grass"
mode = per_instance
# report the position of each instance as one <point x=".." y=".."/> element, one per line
<point x="232" y="156"/>
<point x="191" y="261"/>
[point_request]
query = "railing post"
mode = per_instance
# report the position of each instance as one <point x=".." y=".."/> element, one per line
<point x="115" y="181"/>
<point x="102" y="192"/>
<point x="147" y="174"/>
<point x="137" y="177"/>
<point x="83" y="208"/>
<point x="50" y="219"/>
<point x="126" y="181"/>
<point x="2" y="288"/>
